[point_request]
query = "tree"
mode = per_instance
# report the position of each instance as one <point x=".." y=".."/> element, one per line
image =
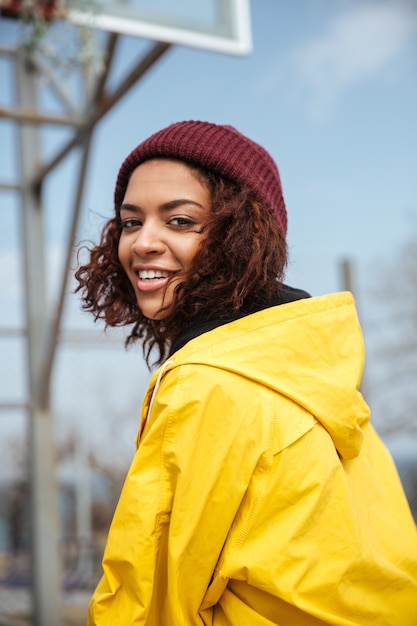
<point x="392" y="371"/>
<point x="391" y="363"/>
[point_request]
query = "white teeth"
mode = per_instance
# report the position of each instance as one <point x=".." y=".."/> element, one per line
<point x="151" y="274"/>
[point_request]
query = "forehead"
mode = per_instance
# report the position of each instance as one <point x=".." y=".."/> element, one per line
<point x="158" y="176"/>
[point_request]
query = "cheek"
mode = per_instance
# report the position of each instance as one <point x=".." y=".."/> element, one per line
<point x="191" y="250"/>
<point x="123" y="250"/>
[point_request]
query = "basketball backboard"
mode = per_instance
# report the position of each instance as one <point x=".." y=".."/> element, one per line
<point x="220" y="25"/>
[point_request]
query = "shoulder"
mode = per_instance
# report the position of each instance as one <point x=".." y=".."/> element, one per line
<point x="216" y="402"/>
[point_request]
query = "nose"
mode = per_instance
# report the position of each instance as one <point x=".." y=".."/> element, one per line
<point x="148" y="240"/>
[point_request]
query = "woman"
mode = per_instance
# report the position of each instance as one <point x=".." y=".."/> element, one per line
<point x="259" y="492"/>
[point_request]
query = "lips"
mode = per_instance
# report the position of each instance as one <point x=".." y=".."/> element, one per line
<point x="152" y="279"/>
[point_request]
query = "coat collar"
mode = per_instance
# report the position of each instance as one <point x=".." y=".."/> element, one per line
<point x="283" y="295"/>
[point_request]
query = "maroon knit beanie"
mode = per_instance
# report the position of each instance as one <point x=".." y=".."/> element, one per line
<point x="220" y="149"/>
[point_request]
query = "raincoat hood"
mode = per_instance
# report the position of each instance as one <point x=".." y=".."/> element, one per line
<point x="310" y="350"/>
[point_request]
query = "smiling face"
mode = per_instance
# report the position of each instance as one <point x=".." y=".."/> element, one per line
<point x="164" y="210"/>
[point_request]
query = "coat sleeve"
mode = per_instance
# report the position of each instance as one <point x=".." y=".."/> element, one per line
<point x="182" y="492"/>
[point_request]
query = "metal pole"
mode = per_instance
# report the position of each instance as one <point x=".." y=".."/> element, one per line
<point x="347" y="280"/>
<point x="348" y="284"/>
<point x="83" y="504"/>
<point x="51" y="339"/>
<point x="46" y="572"/>
<point x="30" y="116"/>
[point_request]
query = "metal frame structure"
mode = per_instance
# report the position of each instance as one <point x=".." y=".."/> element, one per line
<point x="43" y="325"/>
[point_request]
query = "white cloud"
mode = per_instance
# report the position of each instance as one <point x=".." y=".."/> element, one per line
<point x="355" y="46"/>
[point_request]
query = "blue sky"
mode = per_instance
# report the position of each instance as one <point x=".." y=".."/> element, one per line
<point x="330" y="89"/>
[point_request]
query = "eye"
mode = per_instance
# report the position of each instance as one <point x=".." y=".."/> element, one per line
<point x="130" y="223"/>
<point x="181" y="221"/>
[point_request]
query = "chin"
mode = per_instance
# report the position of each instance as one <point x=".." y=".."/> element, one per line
<point x="153" y="313"/>
<point x="154" y="316"/>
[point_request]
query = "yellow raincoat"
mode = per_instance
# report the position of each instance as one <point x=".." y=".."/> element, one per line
<point x="259" y="493"/>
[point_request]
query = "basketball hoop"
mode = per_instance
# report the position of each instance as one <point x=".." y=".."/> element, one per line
<point x="48" y="31"/>
<point x="218" y="25"/>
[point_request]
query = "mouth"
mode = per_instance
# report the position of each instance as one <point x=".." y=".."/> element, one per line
<point x="152" y="280"/>
<point x="149" y="275"/>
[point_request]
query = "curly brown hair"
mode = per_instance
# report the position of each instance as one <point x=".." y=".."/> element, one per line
<point x="238" y="267"/>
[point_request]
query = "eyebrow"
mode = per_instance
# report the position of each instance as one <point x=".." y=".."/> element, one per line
<point x="166" y="206"/>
